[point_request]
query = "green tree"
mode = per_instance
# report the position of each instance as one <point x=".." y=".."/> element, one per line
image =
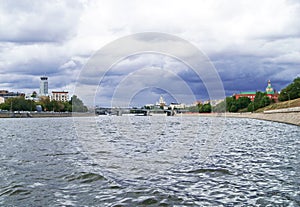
<point x="205" y="108"/>
<point x="46" y="104"/>
<point x="233" y="108"/>
<point x="259" y="100"/>
<point x="250" y="107"/>
<point x="229" y="102"/>
<point x="233" y="105"/>
<point x="18" y="104"/>
<point x="243" y="102"/>
<point x="193" y="108"/>
<point x="77" y="105"/>
<point x="265" y="101"/>
<point x="220" y="107"/>
<point x="58" y="106"/>
<point x="292" y="91"/>
<point x="67" y="106"/>
<point x="5" y="106"/>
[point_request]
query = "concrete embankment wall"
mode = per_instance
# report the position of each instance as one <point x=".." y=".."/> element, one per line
<point x="289" y="118"/>
<point x="33" y="115"/>
<point x="289" y="115"/>
<point x="42" y="114"/>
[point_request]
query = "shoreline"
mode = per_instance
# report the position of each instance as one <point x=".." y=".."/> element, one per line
<point x="43" y="114"/>
<point x="287" y="116"/>
<point x="281" y="117"/>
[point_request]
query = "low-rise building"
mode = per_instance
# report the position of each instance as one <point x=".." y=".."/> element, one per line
<point x="177" y="106"/>
<point x="2" y="100"/>
<point x="270" y="92"/>
<point x="60" y="96"/>
<point x="216" y="102"/>
<point x="248" y="94"/>
<point x="7" y="94"/>
<point x="33" y="97"/>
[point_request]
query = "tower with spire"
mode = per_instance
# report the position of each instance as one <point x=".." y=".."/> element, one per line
<point x="269" y="88"/>
<point x="161" y="102"/>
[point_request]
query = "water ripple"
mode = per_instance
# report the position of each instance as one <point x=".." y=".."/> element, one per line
<point x="253" y="163"/>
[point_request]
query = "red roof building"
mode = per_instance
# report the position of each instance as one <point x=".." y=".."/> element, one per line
<point x="270" y="92"/>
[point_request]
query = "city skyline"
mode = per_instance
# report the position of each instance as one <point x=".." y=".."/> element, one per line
<point x="247" y="42"/>
<point x="135" y="102"/>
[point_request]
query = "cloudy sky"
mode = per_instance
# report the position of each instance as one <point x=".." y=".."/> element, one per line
<point x="247" y="42"/>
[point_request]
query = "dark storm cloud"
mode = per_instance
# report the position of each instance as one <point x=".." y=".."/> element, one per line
<point x="37" y="68"/>
<point x="251" y="73"/>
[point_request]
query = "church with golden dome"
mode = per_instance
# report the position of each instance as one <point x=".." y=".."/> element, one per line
<point x="270" y="92"/>
<point x="269" y="88"/>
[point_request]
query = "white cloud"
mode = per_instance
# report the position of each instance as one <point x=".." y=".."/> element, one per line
<point x="288" y="58"/>
<point x="212" y="25"/>
<point x="38" y="21"/>
<point x="69" y="64"/>
<point x="57" y="37"/>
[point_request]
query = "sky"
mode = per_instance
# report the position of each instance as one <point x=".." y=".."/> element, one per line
<point x="246" y="42"/>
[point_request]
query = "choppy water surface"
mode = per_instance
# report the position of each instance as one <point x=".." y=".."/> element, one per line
<point x="142" y="161"/>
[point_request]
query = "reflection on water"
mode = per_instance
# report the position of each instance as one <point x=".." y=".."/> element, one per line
<point x="142" y="161"/>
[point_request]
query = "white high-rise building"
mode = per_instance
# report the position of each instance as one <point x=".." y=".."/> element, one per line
<point x="44" y="86"/>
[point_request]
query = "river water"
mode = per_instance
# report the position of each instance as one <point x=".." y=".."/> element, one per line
<point x="148" y="161"/>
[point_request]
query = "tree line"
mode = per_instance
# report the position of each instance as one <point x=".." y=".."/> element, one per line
<point x="201" y="108"/>
<point x="21" y="104"/>
<point x="243" y="104"/>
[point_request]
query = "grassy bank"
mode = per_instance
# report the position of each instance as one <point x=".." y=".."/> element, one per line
<point x="281" y="105"/>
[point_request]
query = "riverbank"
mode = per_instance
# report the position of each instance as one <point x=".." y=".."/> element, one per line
<point x="42" y="114"/>
<point x="281" y="105"/>
<point x="288" y="116"/>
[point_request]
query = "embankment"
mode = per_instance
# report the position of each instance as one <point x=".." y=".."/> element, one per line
<point x="41" y="114"/>
<point x="288" y="116"/>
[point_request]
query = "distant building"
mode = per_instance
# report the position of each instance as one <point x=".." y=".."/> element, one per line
<point x="161" y="102"/>
<point x="248" y="94"/>
<point x="196" y="103"/>
<point x="6" y="94"/>
<point x="149" y="106"/>
<point x="43" y="86"/>
<point x="216" y="102"/>
<point x="32" y="97"/>
<point x="177" y="106"/>
<point x="2" y="100"/>
<point x="60" y="96"/>
<point x="271" y="93"/>
<point x="206" y="102"/>
<point x="3" y="93"/>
